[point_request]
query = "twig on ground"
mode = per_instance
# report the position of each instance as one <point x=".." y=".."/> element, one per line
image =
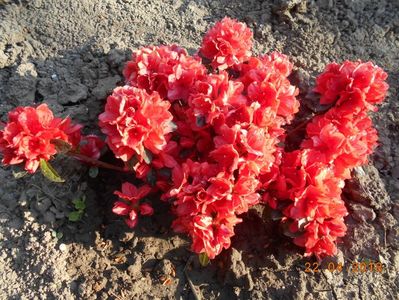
<point x="385" y="237"/>
<point x="116" y="296"/>
<point x="45" y="193"/>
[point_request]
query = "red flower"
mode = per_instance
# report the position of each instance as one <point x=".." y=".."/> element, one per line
<point x="91" y="146"/>
<point x="131" y="193"/>
<point x="279" y="62"/>
<point x="168" y="157"/>
<point x="121" y="208"/>
<point x="130" y="206"/>
<point x="71" y="130"/>
<point x="226" y="156"/>
<point x="345" y="141"/>
<point x="337" y="82"/>
<point x="265" y="79"/>
<point x="218" y="188"/>
<point x="27" y="136"/>
<point x="226" y="135"/>
<point x="292" y="177"/>
<point x="245" y="193"/>
<point x="168" y="70"/>
<point x="315" y="203"/>
<point x="135" y="121"/>
<point x="320" y="237"/>
<point x="224" y="150"/>
<point x="205" y="211"/>
<point x="315" y="191"/>
<point x="211" y="98"/>
<point x="226" y="44"/>
<point x="337" y="141"/>
<point x="146" y="209"/>
<point x="132" y="219"/>
<point x="210" y="235"/>
<point x="210" y="197"/>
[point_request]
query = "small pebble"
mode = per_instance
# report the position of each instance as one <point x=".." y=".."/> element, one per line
<point x="22" y="199"/>
<point x="63" y="247"/>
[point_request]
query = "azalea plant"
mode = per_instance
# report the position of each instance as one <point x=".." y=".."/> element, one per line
<point x="207" y="134"/>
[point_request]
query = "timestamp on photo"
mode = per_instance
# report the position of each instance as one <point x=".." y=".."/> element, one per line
<point x="352" y="267"/>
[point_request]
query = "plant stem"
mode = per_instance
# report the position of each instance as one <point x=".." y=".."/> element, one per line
<point x="299" y="127"/>
<point x="96" y="162"/>
<point x="305" y="122"/>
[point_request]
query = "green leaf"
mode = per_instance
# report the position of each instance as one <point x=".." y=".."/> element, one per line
<point x="61" y="146"/>
<point x="93" y="172"/>
<point x="79" y="204"/>
<point x="75" y="216"/>
<point x="203" y="259"/>
<point x="57" y="235"/>
<point x="147" y="156"/>
<point x="49" y="172"/>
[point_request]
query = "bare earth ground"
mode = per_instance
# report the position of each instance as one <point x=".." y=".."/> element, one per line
<point x="70" y="54"/>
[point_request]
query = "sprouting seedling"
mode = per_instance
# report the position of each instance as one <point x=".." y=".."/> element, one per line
<point x="80" y="206"/>
<point x="57" y="234"/>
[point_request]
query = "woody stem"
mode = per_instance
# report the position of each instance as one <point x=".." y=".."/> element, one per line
<point x="96" y="162"/>
<point x="299" y="127"/>
<point x="305" y="122"/>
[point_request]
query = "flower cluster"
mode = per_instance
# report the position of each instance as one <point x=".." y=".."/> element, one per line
<point x="27" y="136"/>
<point x="227" y="44"/>
<point x="339" y="82"/>
<point x="206" y="133"/>
<point x="31" y="134"/>
<point x="312" y="178"/>
<point x="135" y="121"/>
<point x="168" y="70"/>
<point x="207" y="141"/>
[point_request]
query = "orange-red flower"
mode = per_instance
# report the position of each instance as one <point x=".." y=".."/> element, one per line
<point x="226" y="44"/>
<point x="312" y="178"/>
<point x="339" y="81"/>
<point x="27" y="136"/>
<point x="308" y="180"/>
<point x="135" y="122"/>
<point x="130" y="207"/>
<point x="265" y="79"/>
<point x="211" y="98"/>
<point x="345" y="141"/>
<point x="168" y="70"/>
<point x="320" y="237"/>
<point x="91" y="146"/>
<point x="131" y="193"/>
